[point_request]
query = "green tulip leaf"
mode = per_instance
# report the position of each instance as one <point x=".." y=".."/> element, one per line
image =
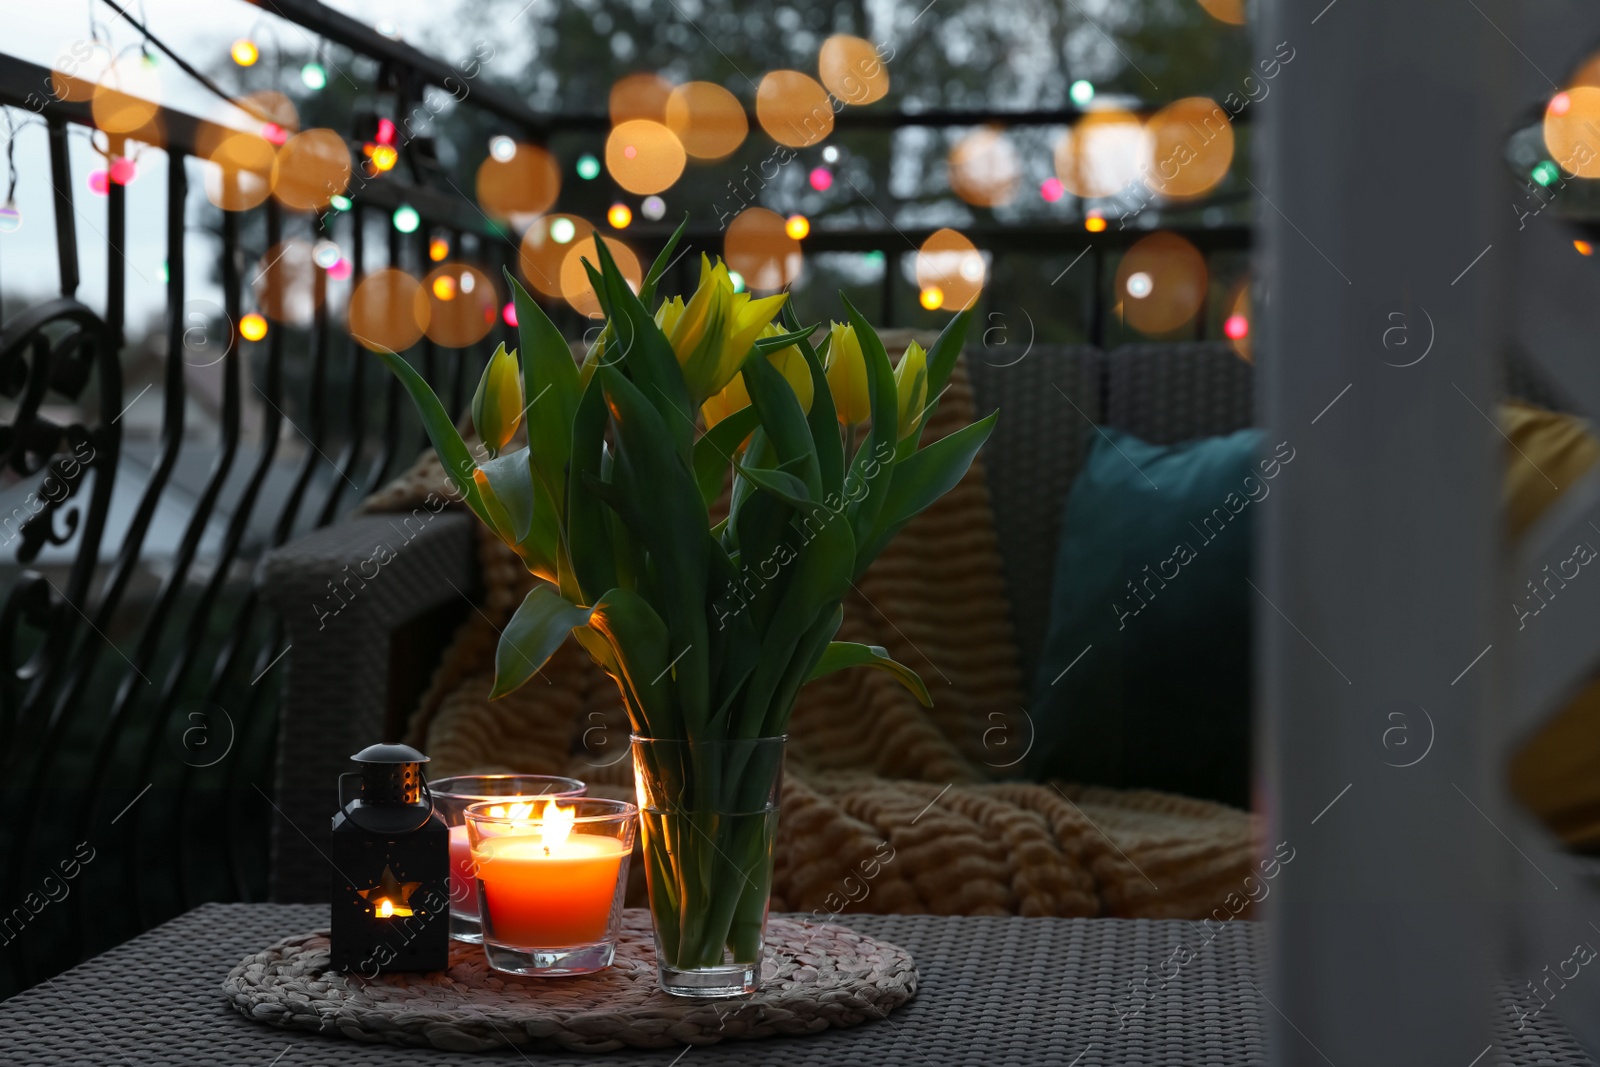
<point x="841" y="655"/>
<point x="922" y="478"/>
<point x="875" y="458"/>
<point x="588" y="525"/>
<point x="823" y="418"/>
<point x="652" y="278"/>
<point x="784" y="421"/>
<point x="714" y="451"/>
<point x="551" y="389"/>
<point x="447" y="442"/>
<point x="541" y="623"/>
<point x="641" y="645"/>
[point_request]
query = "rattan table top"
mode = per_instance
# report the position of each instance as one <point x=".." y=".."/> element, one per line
<point x="994" y="992"/>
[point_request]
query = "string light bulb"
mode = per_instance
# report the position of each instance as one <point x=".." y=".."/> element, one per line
<point x="253" y="327"/>
<point x="245" y="53"/>
<point x="325" y="254"/>
<point x="384" y="157"/>
<point x="932" y="298"/>
<point x="502" y="148"/>
<point x="10" y="217"/>
<point x="797" y="227"/>
<point x="588" y="167"/>
<point x="406" y="219"/>
<point x="438" y="248"/>
<point x="313" y="77"/>
<point x="821" y="179"/>
<point x="653" y="207"/>
<point x="619" y="215"/>
<point x="1095" y="222"/>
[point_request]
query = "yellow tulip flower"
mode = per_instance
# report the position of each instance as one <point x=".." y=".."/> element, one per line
<point x="789" y="362"/>
<point x="847" y="375"/>
<point x="497" y="405"/>
<point x="712" y="334"/>
<point x="911" y="388"/>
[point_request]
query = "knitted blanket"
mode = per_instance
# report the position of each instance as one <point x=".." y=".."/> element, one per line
<point x="886" y="806"/>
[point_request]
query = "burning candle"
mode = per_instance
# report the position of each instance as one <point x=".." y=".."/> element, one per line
<point x="550" y="880"/>
<point x="451" y="797"/>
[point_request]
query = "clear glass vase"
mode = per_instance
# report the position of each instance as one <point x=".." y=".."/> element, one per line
<point x="709" y="815"/>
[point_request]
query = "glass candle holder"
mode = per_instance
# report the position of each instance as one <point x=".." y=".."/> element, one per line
<point x="551" y="876"/>
<point x="451" y="796"/>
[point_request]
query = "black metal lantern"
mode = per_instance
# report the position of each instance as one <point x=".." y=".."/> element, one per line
<point x="391" y="877"/>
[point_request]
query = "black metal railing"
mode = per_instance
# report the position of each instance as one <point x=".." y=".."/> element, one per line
<point x="138" y="693"/>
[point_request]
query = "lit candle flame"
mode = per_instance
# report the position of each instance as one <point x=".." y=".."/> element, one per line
<point x="385" y="908"/>
<point x="555" y="826"/>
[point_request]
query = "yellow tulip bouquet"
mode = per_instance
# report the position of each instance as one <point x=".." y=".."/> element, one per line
<point x="709" y="629"/>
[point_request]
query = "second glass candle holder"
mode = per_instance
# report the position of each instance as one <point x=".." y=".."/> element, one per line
<point x="451" y="796"/>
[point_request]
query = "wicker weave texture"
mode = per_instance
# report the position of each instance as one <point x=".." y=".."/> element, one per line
<point x="1166" y="393"/>
<point x="993" y="992"/>
<point x="340" y="595"/>
<point x="816" y="976"/>
<point x="1049" y="402"/>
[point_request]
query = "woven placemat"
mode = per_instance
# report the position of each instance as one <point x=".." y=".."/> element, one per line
<point x="816" y="976"/>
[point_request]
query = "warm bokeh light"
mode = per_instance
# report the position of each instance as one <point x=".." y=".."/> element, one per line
<point x="575" y="285"/>
<point x="270" y="107"/>
<point x="707" y="119"/>
<point x="1584" y="248"/>
<point x="384" y="157"/>
<point x="523" y="184"/>
<point x="1190" y="148"/>
<point x="985" y="170"/>
<point x="1172" y="289"/>
<point x="239" y="171"/>
<point x="310" y="169"/>
<point x="1230" y="11"/>
<point x="1094" y="222"/>
<point x="1101" y="153"/>
<point x="545" y="245"/>
<point x="758" y="246"/>
<point x="126" y="97"/>
<point x="951" y="264"/>
<point x="793" y="109"/>
<point x="797" y="226"/>
<point x="456" y="305"/>
<point x="285" y="282"/>
<point x="639" y="96"/>
<point x="438" y="248"/>
<point x="1236" y="327"/>
<point x="245" y="53"/>
<point x="1570" y="121"/>
<point x="619" y="215"/>
<point x="932" y="298"/>
<point x="851" y="70"/>
<point x="644" y="156"/>
<point x="383" y="311"/>
<point x="252" y="327"/>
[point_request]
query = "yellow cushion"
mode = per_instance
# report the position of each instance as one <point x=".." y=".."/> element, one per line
<point x="1556" y="774"/>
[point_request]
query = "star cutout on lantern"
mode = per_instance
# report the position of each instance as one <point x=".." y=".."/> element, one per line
<point x="390" y="896"/>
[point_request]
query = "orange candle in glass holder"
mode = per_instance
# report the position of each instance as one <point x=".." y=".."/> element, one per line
<point x="544" y="886"/>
